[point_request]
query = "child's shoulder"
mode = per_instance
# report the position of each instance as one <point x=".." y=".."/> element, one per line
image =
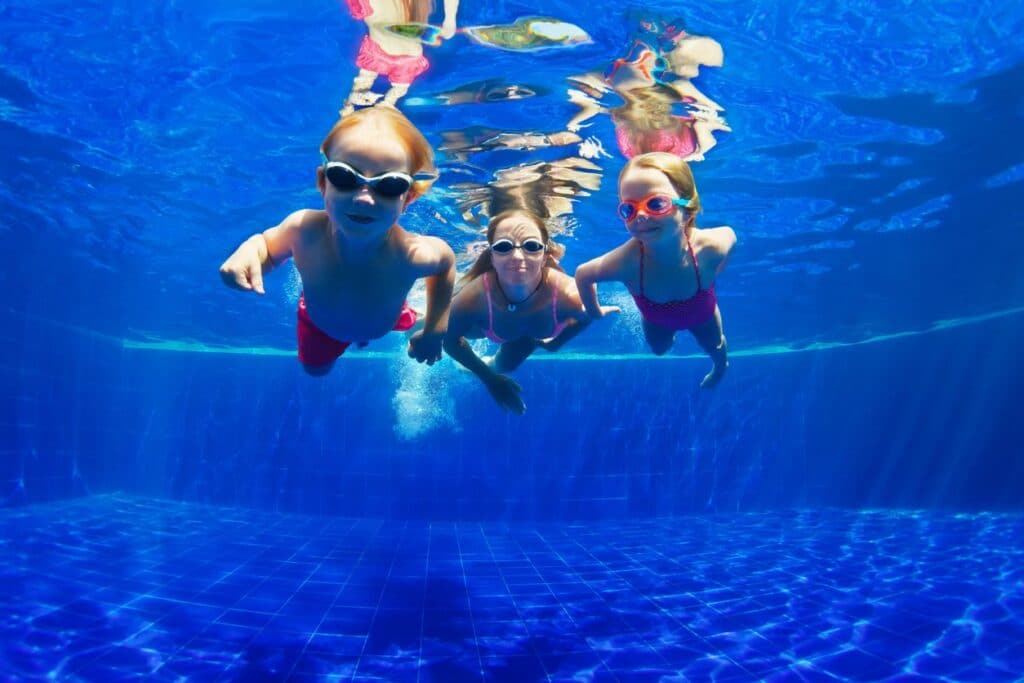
<point x="305" y="220"/>
<point x="424" y="251"/>
<point x="563" y="282"/>
<point x="612" y="264"/>
<point x="417" y="243"/>
<point x="564" y="285"/>
<point x="720" y="239"/>
<point x="626" y="253"/>
<point x="471" y="297"/>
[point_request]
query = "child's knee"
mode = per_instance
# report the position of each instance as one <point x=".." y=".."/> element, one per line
<point x="660" y="348"/>
<point x="317" y="370"/>
<point x="660" y="343"/>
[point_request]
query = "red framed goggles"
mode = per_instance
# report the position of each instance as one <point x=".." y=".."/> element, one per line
<point x="653" y="205"/>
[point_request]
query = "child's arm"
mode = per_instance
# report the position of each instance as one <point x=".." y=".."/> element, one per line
<point x="588" y="110"/>
<point x="259" y="254"/>
<point x="435" y="261"/>
<point x="723" y="239"/>
<point x="451" y="8"/>
<point x="576" y="317"/>
<point x="503" y="389"/>
<point x="602" y="269"/>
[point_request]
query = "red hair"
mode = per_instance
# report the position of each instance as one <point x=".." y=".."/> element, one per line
<point x="421" y="154"/>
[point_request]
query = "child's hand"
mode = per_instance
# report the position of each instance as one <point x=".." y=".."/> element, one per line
<point x="425" y="348"/>
<point x="505" y="392"/>
<point x="244" y="271"/>
<point x="605" y="310"/>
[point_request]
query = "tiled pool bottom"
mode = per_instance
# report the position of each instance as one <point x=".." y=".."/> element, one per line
<point x="114" y="587"/>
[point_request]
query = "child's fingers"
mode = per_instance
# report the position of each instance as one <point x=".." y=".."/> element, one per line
<point x="255" y="277"/>
<point x="240" y="279"/>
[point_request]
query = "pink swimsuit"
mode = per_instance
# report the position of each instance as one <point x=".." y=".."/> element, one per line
<point x="360" y="9"/>
<point x="681" y="142"/>
<point x="489" y="332"/>
<point x="681" y="314"/>
<point x="400" y="69"/>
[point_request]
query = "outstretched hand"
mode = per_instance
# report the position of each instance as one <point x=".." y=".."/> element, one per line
<point x="243" y="271"/>
<point x="425" y="348"/>
<point x="505" y="392"/>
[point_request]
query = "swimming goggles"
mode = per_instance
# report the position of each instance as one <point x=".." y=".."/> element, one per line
<point x="392" y="184"/>
<point x="653" y="205"/>
<point x="507" y="246"/>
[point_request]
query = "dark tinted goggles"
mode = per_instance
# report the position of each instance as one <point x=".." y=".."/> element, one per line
<point x="344" y="178"/>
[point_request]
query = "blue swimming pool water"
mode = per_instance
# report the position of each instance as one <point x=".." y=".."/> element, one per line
<point x="115" y="586"/>
<point x="178" y="501"/>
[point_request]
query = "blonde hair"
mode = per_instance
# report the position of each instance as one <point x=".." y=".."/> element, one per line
<point x="678" y="173"/>
<point x="483" y="262"/>
<point x="421" y="154"/>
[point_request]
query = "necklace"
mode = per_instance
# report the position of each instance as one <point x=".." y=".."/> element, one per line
<point x="512" y="305"/>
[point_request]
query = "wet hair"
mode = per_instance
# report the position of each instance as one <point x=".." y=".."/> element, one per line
<point x="678" y="173"/>
<point x="647" y="109"/>
<point x="421" y="154"/>
<point x="483" y="262"/>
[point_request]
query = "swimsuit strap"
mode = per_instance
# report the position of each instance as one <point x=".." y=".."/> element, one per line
<point x="554" y="303"/>
<point x="490" y="307"/>
<point x="641" y="268"/>
<point x="693" y="257"/>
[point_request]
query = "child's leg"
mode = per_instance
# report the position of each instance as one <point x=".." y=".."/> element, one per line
<point x="395" y="93"/>
<point x="712" y="339"/>
<point x="512" y="354"/>
<point x="317" y="370"/>
<point x="360" y="93"/>
<point x="658" y="338"/>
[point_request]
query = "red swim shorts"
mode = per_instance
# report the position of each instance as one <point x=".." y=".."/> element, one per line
<point x="316" y="347"/>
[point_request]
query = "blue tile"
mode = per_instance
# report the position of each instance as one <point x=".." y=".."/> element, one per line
<point x="118" y="586"/>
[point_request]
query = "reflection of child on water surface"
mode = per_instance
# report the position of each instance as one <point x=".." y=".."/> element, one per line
<point x="460" y="144"/>
<point x="356" y="263"/>
<point x="645" y="121"/>
<point x="545" y="188"/>
<point x="384" y="53"/>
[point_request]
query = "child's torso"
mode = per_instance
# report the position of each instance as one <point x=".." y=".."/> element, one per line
<point x="386" y="13"/>
<point x="543" y="317"/>
<point x="674" y="293"/>
<point x="353" y="299"/>
<point x="660" y="279"/>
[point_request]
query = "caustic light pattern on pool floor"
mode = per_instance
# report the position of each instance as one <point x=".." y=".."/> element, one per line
<point x="115" y="587"/>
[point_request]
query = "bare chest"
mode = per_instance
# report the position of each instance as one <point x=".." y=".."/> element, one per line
<point x="354" y="302"/>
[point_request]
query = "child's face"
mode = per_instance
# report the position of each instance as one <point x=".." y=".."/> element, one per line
<point x="638" y="184"/>
<point x="364" y="213"/>
<point x="518" y="266"/>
